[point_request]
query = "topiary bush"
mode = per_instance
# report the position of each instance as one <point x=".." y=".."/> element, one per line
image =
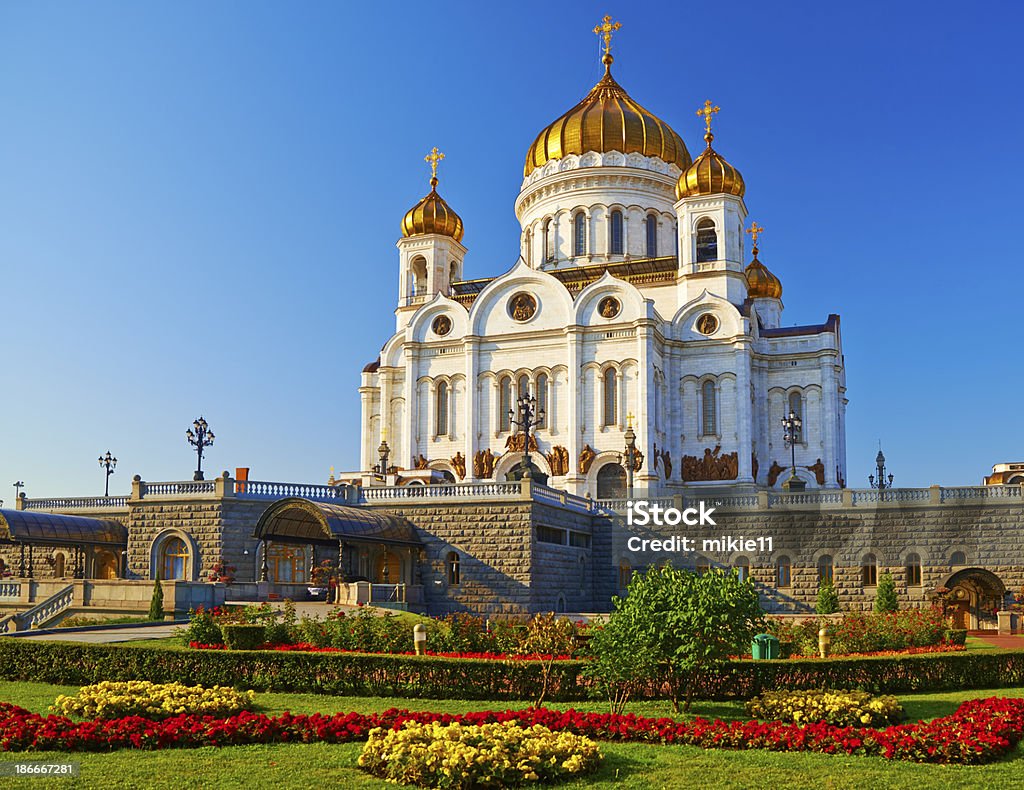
<point x="244" y="636"/>
<point x="486" y="755"/>
<point x="955" y="636"/>
<point x="828" y="599"/>
<point x="885" y="595"/>
<point x="841" y="708"/>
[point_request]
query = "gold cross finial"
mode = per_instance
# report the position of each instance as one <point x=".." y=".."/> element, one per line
<point x="629" y="420"/>
<point x="432" y="159"/>
<point x="755" y="230"/>
<point x="605" y="30"/>
<point x="707" y="111"/>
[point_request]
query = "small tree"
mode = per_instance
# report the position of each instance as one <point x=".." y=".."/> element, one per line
<point x="885" y="595"/>
<point x="828" y="599"/>
<point x="619" y="667"/>
<point x="674" y="625"/>
<point x="156" y="603"/>
<point x="547" y="637"/>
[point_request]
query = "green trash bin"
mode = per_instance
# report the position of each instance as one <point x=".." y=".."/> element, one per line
<point x="764" y="646"/>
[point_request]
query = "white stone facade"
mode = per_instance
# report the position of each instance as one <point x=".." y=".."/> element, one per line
<point x="693" y="383"/>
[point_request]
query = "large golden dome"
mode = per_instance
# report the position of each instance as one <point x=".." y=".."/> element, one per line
<point x="761" y="283"/>
<point x="607" y="120"/>
<point x="710" y="174"/>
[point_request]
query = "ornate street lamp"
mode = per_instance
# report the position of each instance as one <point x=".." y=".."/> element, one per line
<point x="629" y="456"/>
<point x="792" y="426"/>
<point x="383" y="452"/>
<point x="528" y="420"/>
<point x="201" y="438"/>
<point x="882" y="481"/>
<point x="17" y="489"/>
<point x="108" y="462"/>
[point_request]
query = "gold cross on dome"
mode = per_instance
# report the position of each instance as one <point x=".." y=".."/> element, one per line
<point x="432" y="159"/>
<point x="629" y="419"/>
<point x="606" y="29"/>
<point x="755" y="230"/>
<point x="707" y="111"/>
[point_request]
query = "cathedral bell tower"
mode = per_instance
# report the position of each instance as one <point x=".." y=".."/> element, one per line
<point x="763" y="287"/>
<point x="711" y="216"/>
<point x="430" y="250"/>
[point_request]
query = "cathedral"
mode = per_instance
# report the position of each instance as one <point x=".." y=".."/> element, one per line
<point x="634" y="303"/>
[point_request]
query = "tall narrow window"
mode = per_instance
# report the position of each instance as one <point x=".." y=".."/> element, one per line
<point x="523" y="386"/>
<point x="174" y="559"/>
<point x="579" y="234"/>
<point x="707" y="241"/>
<point x="442" y="409"/>
<point x="651" y="224"/>
<point x="528" y="247"/>
<point x="783" y="572"/>
<point x="549" y="241"/>
<point x="454" y="568"/>
<point x="826" y="572"/>
<point x="869" y="571"/>
<point x="611" y="401"/>
<point x="796" y="406"/>
<point x="504" y="402"/>
<point x="625" y="574"/>
<point x="542" y="400"/>
<point x="616" y="233"/>
<point x="913" y="570"/>
<point x="742" y="566"/>
<point x="707" y="400"/>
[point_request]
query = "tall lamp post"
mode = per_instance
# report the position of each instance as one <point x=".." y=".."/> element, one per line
<point x="629" y="456"/>
<point x="528" y="420"/>
<point x="201" y="438"/>
<point x="882" y="481"/>
<point x="792" y="426"/>
<point x="381" y="469"/>
<point x="108" y="462"/>
<point x="17" y="490"/>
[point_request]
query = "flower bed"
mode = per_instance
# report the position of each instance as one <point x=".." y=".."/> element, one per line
<point x="863" y="633"/>
<point x="111" y="700"/>
<point x="501" y="754"/>
<point x="303" y="647"/>
<point x="842" y="708"/>
<point x="980" y="731"/>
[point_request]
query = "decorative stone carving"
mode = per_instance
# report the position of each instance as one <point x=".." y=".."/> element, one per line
<point x="819" y="471"/>
<point x="516" y="443"/>
<point x="774" y="472"/>
<point x="638" y="460"/>
<point x="609" y="307"/>
<point x="558" y="460"/>
<point x="420" y="462"/>
<point x="522" y="307"/>
<point x="711" y="467"/>
<point x="483" y="464"/>
<point x="442" y="325"/>
<point x="587" y="456"/>
<point x="707" y="324"/>
<point x="459" y="463"/>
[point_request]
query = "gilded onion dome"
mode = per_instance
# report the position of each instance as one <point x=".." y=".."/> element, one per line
<point x="432" y="214"/>
<point x="761" y="283"/>
<point x="607" y="119"/>
<point x="710" y="174"/>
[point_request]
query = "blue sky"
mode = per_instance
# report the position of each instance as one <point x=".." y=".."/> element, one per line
<point x="199" y="205"/>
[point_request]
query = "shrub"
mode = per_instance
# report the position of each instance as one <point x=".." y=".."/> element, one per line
<point x="828" y="599"/>
<point x="156" y="603"/>
<point x="239" y="636"/>
<point x="862" y="632"/>
<point x="955" y="636"/>
<point x="111" y="700"/>
<point x="548" y="637"/>
<point x="885" y="595"/>
<point x="841" y="708"/>
<point x="202" y="628"/>
<point x="486" y="755"/>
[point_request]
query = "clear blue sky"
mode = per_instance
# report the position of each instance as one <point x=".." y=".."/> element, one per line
<point x="199" y="205"/>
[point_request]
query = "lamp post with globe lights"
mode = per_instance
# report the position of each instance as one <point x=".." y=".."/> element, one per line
<point x="108" y="462"/>
<point x="792" y="425"/>
<point x="882" y="482"/>
<point x="200" y="438"/>
<point x="528" y="420"/>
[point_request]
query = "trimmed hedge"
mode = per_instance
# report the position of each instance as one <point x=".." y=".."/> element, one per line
<point x="441" y="678"/>
<point x="239" y="636"/>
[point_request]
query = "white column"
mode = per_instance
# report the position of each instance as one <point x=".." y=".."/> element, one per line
<point x="574" y="442"/>
<point x="366" y="415"/>
<point x="473" y="403"/>
<point x="829" y="418"/>
<point x="645" y="405"/>
<point x="409" y="437"/>
<point x="744" y="414"/>
<point x="385" y="404"/>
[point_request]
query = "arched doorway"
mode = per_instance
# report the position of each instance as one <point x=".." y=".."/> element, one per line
<point x="611" y="482"/>
<point x="975" y="595"/>
<point x="388" y="569"/>
<point x="106" y="565"/>
<point x="58" y="565"/>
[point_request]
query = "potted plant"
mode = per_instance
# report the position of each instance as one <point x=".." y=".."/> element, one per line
<point x="222" y="572"/>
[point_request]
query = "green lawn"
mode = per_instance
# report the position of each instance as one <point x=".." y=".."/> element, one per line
<point x="644" y="767"/>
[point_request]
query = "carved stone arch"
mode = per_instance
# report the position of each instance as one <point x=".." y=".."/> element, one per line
<point x="191" y="566"/>
<point x="921" y="553"/>
<point x="601" y="460"/>
<point x="508" y="461"/>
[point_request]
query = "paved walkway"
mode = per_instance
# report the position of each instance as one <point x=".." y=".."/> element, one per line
<point x="1009" y="641"/>
<point x="105" y="634"/>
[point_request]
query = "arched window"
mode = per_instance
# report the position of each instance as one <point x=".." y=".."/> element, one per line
<point x="58" y="565"/>
<point x="826" y="572"/>
<point x="504" y="402"/>
<point x="625" y="574"/>
<point x="651" y="228"/>
<point x="783" y="572"/>
<point x="453" y="272"/>
<point x="419" y="275"/>
<point x="442" y="409"/>
<point x="707" y="241"/>
<point x="542" y="400"/>
<point x="579" y="234"/>
<point x="742" y="566"/>
<point x="958" y="558"/>
<point x="286" y="563"/>
<point x="616" y="241"/>
<point x="869" y="571"/>
<point x="796" y="406"/>
<point x="549" y="241"/>
<point x="913" y="570"/>
<point x="454" y="569"/>
<point x="523" y="386"/>
<point x="611" y="401"/>
<point x="611" y="482"/>
<point x="174" y="559"/>
<point x="709" y="419"/>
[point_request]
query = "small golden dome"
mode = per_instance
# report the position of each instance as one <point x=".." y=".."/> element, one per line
<point x="432" y="215"/>
<point x="710" y="174"/>
<point x="607" y="119"/>
<point x="761" y="283"/>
